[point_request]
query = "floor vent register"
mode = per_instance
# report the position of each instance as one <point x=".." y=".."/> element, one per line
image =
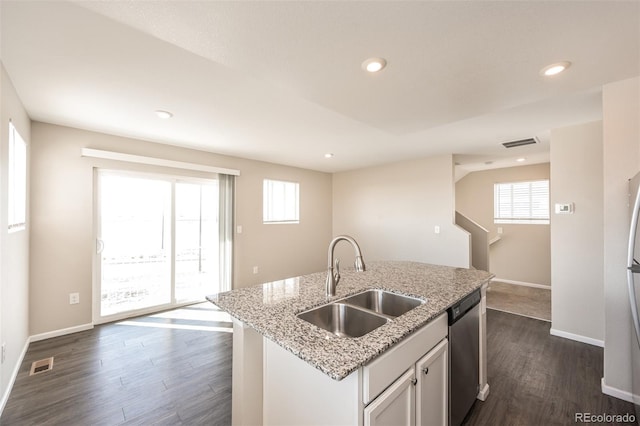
<point x="41" y="366"/>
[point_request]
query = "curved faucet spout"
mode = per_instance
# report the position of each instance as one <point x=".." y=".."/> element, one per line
<point x="334" y="277"/>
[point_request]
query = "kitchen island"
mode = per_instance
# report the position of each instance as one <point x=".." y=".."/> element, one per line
<point x="267" y="331"/>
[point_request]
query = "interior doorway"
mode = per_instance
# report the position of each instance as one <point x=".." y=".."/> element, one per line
<point x="508" y="203"/>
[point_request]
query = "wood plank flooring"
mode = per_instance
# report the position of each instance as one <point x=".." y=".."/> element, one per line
<point x="539" y="379"/>
<point x="171" y="368"/>
<point x="141" y="374"/>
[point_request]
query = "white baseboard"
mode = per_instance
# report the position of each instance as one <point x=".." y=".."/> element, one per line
<point x="577" y="337"/>
<point x="620" y="394"/>
<point x="61" y="332"/>
<point x="522" y="283"/>
<point x="14" y="375"/>
<point x="35" y="338"/>
<point x="484" y="393"/>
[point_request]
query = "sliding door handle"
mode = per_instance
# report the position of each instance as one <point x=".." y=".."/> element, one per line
<point x="99" y="246"/>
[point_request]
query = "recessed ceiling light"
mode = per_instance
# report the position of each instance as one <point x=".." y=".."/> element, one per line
<point x="164" y="114"/>
<point x="521" y="159"/>
<point x="328" y="155"/>
<point x="555" y="69"/>
<point x="374" y="64"/>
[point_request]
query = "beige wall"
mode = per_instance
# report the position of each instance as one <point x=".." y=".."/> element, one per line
<point x="62" y="242"/>
<point x="479" y="241"/>
<point x="523" y="252"/>
<point x="392" y="211"/>
<point x="14" y="247"/>
<point x="621" y="135"/>
<point x="577" y="240"/>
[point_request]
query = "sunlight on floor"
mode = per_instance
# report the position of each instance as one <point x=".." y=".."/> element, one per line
<point x="176" y="326"/>
<point x="195" y="314"/>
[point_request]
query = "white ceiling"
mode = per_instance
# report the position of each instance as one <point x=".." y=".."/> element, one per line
<point x="282" y="81"/>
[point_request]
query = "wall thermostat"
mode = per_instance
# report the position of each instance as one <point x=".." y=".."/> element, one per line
<point x="564" y="208"/>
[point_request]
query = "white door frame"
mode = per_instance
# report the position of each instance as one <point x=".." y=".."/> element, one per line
<point x="96" y="267"/>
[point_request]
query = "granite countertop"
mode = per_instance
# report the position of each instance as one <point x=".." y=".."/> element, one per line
<point x="271" y="309"/>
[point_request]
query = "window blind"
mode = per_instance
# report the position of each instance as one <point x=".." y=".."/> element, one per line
<point x="280" y="202"/>
<point x="17" y="180"/>
<point x="522" y="202"/>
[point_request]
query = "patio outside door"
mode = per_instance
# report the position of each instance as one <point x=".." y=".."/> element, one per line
<point x="196" y="242"/>
<point x="157" y="243"/>
<point x="134" y="244"/>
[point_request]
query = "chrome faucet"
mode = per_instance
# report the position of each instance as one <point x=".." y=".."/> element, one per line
<point x="334" y="277"/>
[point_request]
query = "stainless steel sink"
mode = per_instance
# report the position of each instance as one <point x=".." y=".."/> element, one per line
<point x="383" y="302"/>
<point x="357" y="315"/>
<point x="343" y="320"/>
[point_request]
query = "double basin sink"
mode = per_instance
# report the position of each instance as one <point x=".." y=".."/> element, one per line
<point x="357" y="315"/>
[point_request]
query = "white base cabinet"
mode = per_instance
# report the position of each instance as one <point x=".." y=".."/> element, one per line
<point x="396" y="405"/>
<point x="418" y="397"/>
<point x="432" y="387"/>
<point x="391" y="390"/>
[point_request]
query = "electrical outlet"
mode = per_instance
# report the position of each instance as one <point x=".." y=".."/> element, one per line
<point x="4" y="352"/>
<point x="74" y="298"/>
<point x="255" y="269"/>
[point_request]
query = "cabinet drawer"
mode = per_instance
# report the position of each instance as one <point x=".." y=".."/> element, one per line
<point x="384" y="370"/>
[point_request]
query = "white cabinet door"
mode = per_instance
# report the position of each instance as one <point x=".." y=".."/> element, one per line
<point x="395" y="406"/>
<point x="431" y="388"/>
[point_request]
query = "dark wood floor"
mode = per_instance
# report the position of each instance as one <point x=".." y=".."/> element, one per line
<point x="539" y="379"/>
<point x="130" y="374"/>
<point x="136" y="372"/>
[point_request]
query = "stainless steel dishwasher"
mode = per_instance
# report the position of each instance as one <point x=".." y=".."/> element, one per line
<point x="464" y="357"/>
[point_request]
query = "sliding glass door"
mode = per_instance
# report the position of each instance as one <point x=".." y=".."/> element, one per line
<point x="135" y="243"/>
<point x="196" y="260"/>
<point x="157" y="242"/>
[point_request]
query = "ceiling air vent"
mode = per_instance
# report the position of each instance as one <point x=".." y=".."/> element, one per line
<point x="521" y="142"/>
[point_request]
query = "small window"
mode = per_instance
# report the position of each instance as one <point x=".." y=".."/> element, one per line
<point x="17" y="180"/>
<point x="522" y="202"/>
<point x="280" y="202"/>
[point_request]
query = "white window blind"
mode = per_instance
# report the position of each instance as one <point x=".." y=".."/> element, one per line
<point x="280" y="202"/>
<point x="17" y="180"/>
<point x="522" y="202"/>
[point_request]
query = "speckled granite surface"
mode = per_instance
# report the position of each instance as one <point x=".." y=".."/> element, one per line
<point x="271" y="309"/>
